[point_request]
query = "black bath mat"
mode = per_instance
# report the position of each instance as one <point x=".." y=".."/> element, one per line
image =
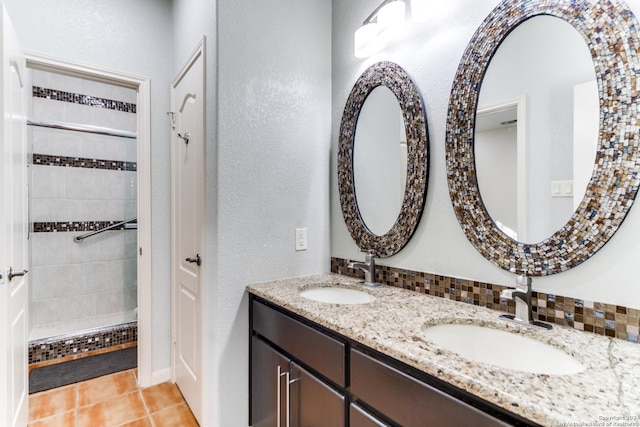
<point x="73" y="371"/>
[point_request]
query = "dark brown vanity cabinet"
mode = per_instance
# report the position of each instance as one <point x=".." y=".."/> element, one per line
<point x="358" y="417"/>
<point x="303" y="375"/>
<point x="409" y="402"/>
<point x="268" y="381"/>
<point x="284" y="393"/>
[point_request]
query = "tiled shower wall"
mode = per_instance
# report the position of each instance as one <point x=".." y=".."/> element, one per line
<point x="80" y="182"/>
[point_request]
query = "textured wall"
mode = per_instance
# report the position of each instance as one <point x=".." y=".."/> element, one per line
<point x="430" y="52"/>
<point x="127" y="36"/>
<point x="268" y="147"/>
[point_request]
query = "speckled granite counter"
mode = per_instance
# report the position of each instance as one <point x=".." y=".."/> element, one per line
<point x="607" y="391"/>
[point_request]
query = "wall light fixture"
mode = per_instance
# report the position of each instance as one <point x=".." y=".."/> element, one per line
<point x="389" y="17"/>
<point x="420" y="10"/>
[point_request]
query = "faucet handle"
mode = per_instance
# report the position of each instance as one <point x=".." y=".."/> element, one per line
<point x="523" y="281"/>
<point x="507" y="293"/>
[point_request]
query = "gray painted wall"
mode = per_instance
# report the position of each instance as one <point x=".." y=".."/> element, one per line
<point x="268" y="147"/>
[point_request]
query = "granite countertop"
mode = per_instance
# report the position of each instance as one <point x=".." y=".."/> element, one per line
<point x="608" y="390"/>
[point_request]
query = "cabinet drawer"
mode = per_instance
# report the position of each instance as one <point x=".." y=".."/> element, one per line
<point x="408" y="401"/>
<point x="358" y="417"/>
<point x="322" y="353"/>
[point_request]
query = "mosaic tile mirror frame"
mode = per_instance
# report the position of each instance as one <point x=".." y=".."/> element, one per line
<point x="398" y="81"/>
<point x="614" y="182"/>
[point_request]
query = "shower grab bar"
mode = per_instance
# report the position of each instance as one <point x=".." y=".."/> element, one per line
<point x="81" y="128"/>
<point x="80" y="238"/>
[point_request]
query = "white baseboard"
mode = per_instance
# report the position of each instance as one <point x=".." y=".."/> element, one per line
<point x="161" y="376"/>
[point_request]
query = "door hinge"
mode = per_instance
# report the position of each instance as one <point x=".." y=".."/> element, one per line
<point x="173" y="335"/>
<point x="172" y="117"/>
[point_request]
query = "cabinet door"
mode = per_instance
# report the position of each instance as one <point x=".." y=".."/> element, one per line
<point x="268" y="385"/>
<point x="313" y="403"/>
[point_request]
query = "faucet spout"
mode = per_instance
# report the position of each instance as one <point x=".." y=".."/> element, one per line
<point x="521" y="295"/>
<point x="369" y="268"/>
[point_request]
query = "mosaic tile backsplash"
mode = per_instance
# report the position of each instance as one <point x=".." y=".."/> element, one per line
<point x="70" y="345"/>
<point x="602" y="319"/>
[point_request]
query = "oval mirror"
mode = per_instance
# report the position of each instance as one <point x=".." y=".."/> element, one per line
<point x="535" y="139"/>
<point x="383" y="209"/>
<point x="613" y="179"/>
<point x="380" y="160"/>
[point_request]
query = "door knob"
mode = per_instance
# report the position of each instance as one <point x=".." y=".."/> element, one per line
<point x="196" y="259"/>
<point x="13" y="274"/>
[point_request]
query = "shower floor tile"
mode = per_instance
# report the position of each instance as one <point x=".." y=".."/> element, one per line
<point x="111" y="400"/>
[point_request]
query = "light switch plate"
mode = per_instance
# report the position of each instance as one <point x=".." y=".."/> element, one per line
<point x="561" y="188"/>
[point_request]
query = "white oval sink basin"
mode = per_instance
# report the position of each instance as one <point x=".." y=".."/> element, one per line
<point x="336" y="295"/>
<point x="503" y="349"/>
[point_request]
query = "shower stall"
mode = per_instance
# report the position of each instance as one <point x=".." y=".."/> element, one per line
<point x="83" y="209"/>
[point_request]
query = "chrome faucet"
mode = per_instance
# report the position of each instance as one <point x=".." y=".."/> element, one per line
<point x="521" y="295"/>
<point x="369" y="268"/>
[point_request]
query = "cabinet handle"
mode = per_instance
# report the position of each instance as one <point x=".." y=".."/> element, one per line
<point x="288" y="399"/>
<point x="279" y="374"/>
<point x="289" y="382"/>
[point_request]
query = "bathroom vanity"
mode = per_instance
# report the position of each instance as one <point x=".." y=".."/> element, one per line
<point x="371" y="364"/>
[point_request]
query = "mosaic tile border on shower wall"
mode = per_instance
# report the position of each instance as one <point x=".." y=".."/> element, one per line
<point x="77" y="98"/>
<point x="82" y="162"/>
<point x="64" y="226"/>
<point x="600" y="318"/>
<point x="70" y="345"/>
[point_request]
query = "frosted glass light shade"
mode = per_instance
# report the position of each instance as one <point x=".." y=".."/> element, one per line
<point x="391" y="19"/>
<point x="366" y="40"/>
<point x="419" y="10"/>
<point x="391" y="14"/>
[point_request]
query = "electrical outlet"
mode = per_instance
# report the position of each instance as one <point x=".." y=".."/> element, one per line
<point x="301" y="239"/>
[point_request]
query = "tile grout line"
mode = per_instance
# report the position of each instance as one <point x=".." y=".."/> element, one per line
<point x="146" y="408"/>
<point x="77" y="394"/>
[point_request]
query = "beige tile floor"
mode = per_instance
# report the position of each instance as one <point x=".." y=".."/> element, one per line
<point x="111" y="400"/>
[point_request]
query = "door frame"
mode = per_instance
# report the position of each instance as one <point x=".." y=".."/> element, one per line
<point x="522" y="147"/>
<point x="143" y="114"/>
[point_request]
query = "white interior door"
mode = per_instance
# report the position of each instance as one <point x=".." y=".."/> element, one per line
<point x="13" y="232"/>
<point x="187" y="238"/>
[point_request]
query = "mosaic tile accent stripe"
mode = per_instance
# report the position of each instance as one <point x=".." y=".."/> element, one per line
<point x="82" y="162"/>
<point x="56" y="227"/>
<point x="85" y="341"/>
<point x="77" y="98"/>
<point x="599" y="318"/>
<point x="614" y="183"/>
